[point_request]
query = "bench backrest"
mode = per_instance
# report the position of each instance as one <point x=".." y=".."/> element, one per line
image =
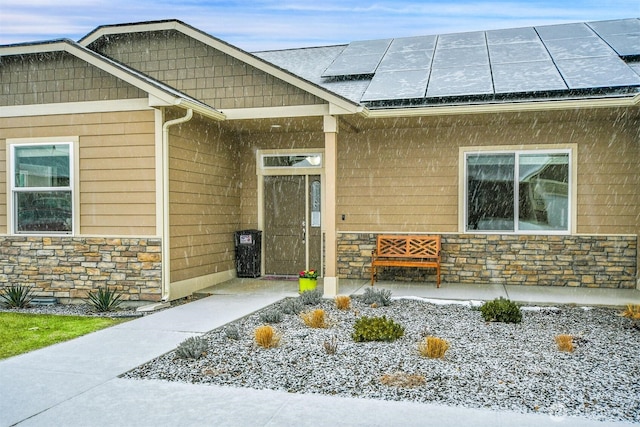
<point x="398" y="246"/>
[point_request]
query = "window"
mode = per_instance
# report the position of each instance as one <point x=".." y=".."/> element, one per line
<point x="521" y="191"/>
<point x="42" y="197"/>
<point x="305" y="160"/>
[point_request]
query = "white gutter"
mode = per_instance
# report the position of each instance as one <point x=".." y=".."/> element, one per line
<point x="503" y="108"/>
<point x="166" y="249"/>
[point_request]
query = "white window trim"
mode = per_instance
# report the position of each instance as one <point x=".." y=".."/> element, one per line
<point x="73" y="142"/>
<point x="570" y="149"/>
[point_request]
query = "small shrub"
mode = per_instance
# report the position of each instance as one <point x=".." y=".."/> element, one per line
<point x="632" y="311"/>
<point x="343" y="302"/>
<point x="402" y="379"/>
<point x="232" y="332"/>
<point x="376" y="329"/>
<point x="105" y="300"/>
<point x="271" y="316"/>
<point x="311" y="297"/>
<point x="565" y="343"/>
<point x="501" y="310"/>
<point x="192" y="348"/>
<point x="377" y="297"/>
<point x="433" y="347"/>
<point x="292" y="306"/>
<point x="266" y="336"/>
<point x="17" y="296"/>
<point x="314" y="319"/>
<point x="331" y="345"/>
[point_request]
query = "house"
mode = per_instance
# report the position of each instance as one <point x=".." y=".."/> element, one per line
<point x="130" y="158"/>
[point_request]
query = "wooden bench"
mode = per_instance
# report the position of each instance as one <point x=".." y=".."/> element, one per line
<point x="406" y="251"/>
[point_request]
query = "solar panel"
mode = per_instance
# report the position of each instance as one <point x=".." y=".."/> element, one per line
<point x="460" y="81"/>
<point x="447" y="41"/>
<point x="358" y="58"/>
<point x="538" y="76"/>
<point x="622" y="35"/>
<point x="618" y="26"/>
<point x="563" y="31"/>
<point x="406" y="60"/>
<point x="604" y="71"/>
<point x="460" y="57"/>
<point x="625" y="44"/>
<point x="518" y="52"/>
<point x="413" y="44"/>
<point x="512" y="35"/>
<point x="583" y="47"/>
<point x="386" y="86"/>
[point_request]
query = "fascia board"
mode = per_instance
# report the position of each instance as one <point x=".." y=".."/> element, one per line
<point x="232" y="51"/>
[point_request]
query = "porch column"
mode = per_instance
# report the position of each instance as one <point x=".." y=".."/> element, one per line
<point x="330" y="166"/>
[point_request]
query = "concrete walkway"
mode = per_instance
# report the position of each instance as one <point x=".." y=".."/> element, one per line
<point x="76" y="383"/>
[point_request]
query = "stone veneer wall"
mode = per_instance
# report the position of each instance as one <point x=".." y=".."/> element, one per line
<point x="586" y="261"/>
<point x="69" y="267"/>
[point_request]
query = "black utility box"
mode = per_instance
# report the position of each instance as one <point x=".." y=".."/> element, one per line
<point x="248" y="252"/>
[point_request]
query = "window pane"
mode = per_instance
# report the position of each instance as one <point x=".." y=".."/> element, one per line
<point x="302" y="161"/>
<point x="42" y="166"/>
<point x="490" y="192"/>
<point x="40" y="211"/>
<point x="544" y="192"/>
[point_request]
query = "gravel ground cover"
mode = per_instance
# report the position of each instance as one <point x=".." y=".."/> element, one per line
<point x="488" y="365"/>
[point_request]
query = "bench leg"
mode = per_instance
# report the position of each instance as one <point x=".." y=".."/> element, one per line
<point x="373" y="275"/>
<point x="438" y="278"/>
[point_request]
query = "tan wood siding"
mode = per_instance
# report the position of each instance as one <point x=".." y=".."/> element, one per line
<point x="117" y="167"/>
<point x="201" y="71"/>
<point x="402" y="175"/>
<point x="204" y="199"/>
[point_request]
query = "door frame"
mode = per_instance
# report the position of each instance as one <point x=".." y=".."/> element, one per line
<point x="262" y="171"/>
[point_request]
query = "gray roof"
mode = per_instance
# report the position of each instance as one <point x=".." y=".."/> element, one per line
<point x="545" y="62"/>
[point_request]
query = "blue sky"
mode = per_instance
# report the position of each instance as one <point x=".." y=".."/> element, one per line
<point x="277" y="24"/>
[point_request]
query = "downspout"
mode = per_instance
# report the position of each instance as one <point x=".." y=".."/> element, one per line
<point x="166" y="270"/>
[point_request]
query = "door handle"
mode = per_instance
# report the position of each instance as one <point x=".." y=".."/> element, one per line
<point x="304" y="231"/>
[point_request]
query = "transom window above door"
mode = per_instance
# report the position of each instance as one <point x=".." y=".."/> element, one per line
<point x="518" y="191"/>
<point x="302" y="160"/>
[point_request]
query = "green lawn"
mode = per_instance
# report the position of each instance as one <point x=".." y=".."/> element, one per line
<point x="21" y="332"/>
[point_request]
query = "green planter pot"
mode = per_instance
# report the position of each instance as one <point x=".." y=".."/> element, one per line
<point x="307" y="284"/>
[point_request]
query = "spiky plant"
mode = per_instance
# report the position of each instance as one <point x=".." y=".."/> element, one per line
<point x="105" y="299"/>
<point x="17" y="296"/>
<point x="377" y="297"/>
<point x="292" y="306"/>
<point x="311" y="297"/>
<point x="331" y="345"/>
<point x="632" y="311"/>
<point x="271" y="316"/>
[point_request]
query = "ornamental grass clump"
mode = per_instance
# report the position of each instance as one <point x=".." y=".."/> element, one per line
<point x="433" y="347"/>
<point x="314" y="319"/>
<point x="17" y="296"/>
<point x="376" y="329"/>
<point x="266" y="336"/>
<point x="343" y="302"/>
<point x="501" y="310"/>
<point x="192" y="348"/>
<point x="331" y="345"/>
<point x="565" y="343"/>
<point x="632" y="311"/>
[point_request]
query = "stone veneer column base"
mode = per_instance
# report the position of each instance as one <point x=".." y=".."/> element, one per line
<point x="69" y="267"/>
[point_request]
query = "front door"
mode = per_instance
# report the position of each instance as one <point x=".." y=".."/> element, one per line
<point x="292" y="229"/>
